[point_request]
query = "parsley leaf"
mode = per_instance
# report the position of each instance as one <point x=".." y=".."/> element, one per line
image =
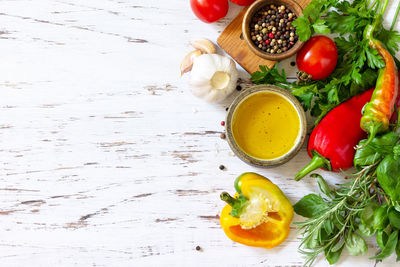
<point x="305" y="94"/>
<point x="269" y="76"/>
<point x="375" y="61"/>
<point x="320" y="27"/>
<point x="310" y="22"/>
<point x="391" y="39"/>
<point x="312" y="10"/>
<point x="303" y="28"/>
<point x="341" y="24"/>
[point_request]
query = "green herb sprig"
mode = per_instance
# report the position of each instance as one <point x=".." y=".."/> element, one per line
<point x="333" y="221"/>
<point x="369" y="204"/>
<point x="358" y="64"/>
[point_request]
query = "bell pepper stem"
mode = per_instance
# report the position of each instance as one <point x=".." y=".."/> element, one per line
<point x="317" y="162"/>
<point x="228" y="199"/>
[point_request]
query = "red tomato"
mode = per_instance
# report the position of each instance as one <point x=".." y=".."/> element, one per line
<point x="209" y="10"/>
<point x="243" y="2"/>
<point x="317" y="57"/>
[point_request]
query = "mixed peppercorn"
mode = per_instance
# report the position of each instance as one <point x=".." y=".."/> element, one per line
<point x="271" y="29"/>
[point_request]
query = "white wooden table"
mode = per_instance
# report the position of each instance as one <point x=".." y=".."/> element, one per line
<point x="106" y="158"/>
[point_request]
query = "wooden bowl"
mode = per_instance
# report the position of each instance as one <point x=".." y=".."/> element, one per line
<point x="266" y="163"/>
<point x="256" y="6"/>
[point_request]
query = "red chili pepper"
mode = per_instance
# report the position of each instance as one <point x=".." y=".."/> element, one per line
<point x="397" y="103"/>
<point x="379" y="110"/>
<point x="331" y="144"/>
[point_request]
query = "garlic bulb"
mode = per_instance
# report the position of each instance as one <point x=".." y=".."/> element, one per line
<point x="213" y="77"/>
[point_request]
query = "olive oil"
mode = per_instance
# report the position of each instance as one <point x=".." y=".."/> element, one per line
<point x="265" y="125"/>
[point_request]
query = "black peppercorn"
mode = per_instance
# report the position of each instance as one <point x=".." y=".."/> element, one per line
<point x="271" y="27"/>
<point x="221" y="167"/>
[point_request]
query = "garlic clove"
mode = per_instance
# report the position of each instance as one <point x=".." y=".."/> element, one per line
<point x="204" y="45"/>
<point x="187" y="62"/>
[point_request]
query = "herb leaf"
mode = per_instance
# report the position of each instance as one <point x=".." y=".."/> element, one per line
<point x="367" y="217"/>
<point x="391" y="39"/>
<point x="394" y="218"/>
<point x="341" y="24"/>
<point x="389" y="247"/>
<point x="333" y="256"/>
<point x="310" y="206"/>
<point x="381" y="238"/>
<point x="355" y="244"/>
<point x="303" y="28"/>
<point x="375" y="61"/>
<point x="366" y="230"/>
<point x="320" y="27"/>
<point x="373" y="152"/>
<point x="269" y="76"/>
<point x="388" y="177"/>
<point x="322" y="184"/>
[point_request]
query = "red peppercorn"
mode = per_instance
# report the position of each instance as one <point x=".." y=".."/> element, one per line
<point x="271" y="35"/>
<point x="222" y="123"/>
<point x="267" y="41"/>
<point x="291" y="43"/>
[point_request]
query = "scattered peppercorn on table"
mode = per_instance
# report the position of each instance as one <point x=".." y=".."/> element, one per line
<point x="106" y="157"/>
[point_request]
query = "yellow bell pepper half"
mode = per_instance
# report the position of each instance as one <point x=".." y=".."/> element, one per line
<point x="259" y="214"/>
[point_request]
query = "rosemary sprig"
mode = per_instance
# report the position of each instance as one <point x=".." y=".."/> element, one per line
<point x="337" y="218"/>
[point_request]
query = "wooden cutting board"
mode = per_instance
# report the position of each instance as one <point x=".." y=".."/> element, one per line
<point x="232" y="41"/>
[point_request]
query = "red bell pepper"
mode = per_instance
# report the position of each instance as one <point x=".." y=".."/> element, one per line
<point x="331" y="144"/>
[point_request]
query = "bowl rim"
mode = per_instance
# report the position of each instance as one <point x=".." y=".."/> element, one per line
<point x="296" y="8"/>
<point x="268" y="162"/>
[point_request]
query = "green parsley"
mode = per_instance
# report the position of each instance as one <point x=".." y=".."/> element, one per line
<point x="358" y="64"/>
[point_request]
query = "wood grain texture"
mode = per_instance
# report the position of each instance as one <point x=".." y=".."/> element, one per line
<point x="106" y="159"/>
<point x="232" y="42"/>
